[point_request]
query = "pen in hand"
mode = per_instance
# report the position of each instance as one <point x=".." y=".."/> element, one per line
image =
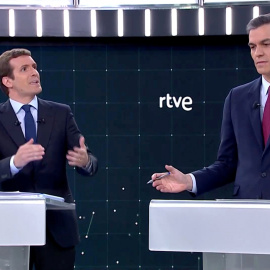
<point x="163" y="175"/>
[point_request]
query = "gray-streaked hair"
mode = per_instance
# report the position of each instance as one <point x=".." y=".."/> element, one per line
<point x="258" y="21"/>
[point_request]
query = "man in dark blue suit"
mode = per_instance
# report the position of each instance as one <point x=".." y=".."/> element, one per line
<point x="243" y="156"/>
<point x="38" y="164"/>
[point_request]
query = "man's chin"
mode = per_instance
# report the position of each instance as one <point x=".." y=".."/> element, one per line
<point x="39" y="91"/>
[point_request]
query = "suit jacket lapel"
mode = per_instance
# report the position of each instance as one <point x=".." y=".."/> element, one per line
<point x="45" y="122"/>
<point x="254" y="98"/>
<point x="8" y="119"/>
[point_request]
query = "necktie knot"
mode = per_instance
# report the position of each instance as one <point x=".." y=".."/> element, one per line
<point x="26" y="107"/>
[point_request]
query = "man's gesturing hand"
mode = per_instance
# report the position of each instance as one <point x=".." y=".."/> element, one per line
<point x="78" y="156"/>
<point x="28" y="152"/>
<point x="175" y="182"/>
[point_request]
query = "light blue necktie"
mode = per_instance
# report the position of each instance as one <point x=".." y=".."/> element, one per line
<point x="29" y="122"/>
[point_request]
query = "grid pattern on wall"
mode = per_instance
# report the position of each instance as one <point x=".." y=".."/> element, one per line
<point x="114" y="87"/>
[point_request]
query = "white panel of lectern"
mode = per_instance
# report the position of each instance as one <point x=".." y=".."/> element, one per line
<point x="23" y="224"/>
<point x="222" y="226"/>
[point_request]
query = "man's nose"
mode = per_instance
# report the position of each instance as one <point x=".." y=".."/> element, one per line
<point x="34" y="72"/>
<point x="258" y="51"/>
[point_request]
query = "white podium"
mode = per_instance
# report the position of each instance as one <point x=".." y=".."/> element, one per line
<point x="23" y="224"/>
<point x="232" y="234"/>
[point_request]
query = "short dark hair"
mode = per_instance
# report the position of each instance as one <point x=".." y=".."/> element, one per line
<point x="5" y="68"/>
<point x="258" y="21"/>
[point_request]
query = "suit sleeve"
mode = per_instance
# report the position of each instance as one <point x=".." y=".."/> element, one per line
<point x="5" y="169"/>
<point x="223" y="170"/>
<point x="73" y="136"/>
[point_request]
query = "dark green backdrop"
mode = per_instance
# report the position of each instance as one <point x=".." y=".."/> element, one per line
<point x="113" y="87"/>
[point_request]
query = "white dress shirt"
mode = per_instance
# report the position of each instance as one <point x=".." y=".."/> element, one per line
<point x="20" y="113"/>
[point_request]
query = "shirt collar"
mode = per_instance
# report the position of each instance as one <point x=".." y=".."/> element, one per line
<point x="265" y="86"/>
<point x="17" y="105"/>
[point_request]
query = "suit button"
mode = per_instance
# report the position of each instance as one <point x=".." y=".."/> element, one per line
<point x="263" y="174"/>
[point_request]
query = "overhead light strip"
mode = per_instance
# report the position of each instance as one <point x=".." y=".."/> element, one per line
<point x="147" y="23"/>
<point x="120" y="22"/>
<point x="66" y="23"/>
<point x="11" y="19"/>
<point x="93" y="23"/>
<point x="256" y="12"/>
<point x="228" y="21"/>
<point x="39" y="23"/>
<point x="201" y="21"/>
<point x="174" y="21"/>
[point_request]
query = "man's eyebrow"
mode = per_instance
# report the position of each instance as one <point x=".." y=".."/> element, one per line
<point x="262" y="41"/>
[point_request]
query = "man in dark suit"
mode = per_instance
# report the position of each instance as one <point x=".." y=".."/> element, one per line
<point x="38" y="164"/>
<point x="244" y="152"/>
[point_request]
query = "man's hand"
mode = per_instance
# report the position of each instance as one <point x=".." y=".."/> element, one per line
<point x="28" y="152"/>
<point x="175" y="182"/>
<point x="78" y="156"/>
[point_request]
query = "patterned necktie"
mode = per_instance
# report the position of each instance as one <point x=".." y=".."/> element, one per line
<point x="30" y="126"/>
<point x="266" y="119"/>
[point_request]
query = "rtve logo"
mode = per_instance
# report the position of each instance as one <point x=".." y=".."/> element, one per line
<point x="170" y="102"/>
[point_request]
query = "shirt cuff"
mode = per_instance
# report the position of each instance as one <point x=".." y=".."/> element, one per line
<point x="13" y="168"/>
<point x="88" y="166"/>
<point x="194" y="186"/>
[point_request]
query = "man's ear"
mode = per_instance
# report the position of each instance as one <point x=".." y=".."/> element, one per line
<point x="7" y="82"/>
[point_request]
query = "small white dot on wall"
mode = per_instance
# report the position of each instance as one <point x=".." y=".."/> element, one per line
<point x="171" y="69"/>
<point x="114" y="210"/>
<point x="80" y="217"/>
<point x="73" y="70"/>
<point x="117" y="262"/>
<point x="74" y="102"/>
<point x="136" y="223"/>
<point x="82" y="253"/>
<point x="106" y="70"/>
<point x="203" y="135"/>
<point x="171" y="135"/>
<point x="106" y="102"/>
<point x="86" y="236"/>
<point x="139" y="69"/>
<point x="139" y="102"/>
<point x="129" y="234"/>
<point x="138" y="215"/>
<point x="139" y="168"/>
<point x="83" y="217"/>
<point x="236" y="68"/>
<point x="93" y="213"/>
<point x="123" y="188"/>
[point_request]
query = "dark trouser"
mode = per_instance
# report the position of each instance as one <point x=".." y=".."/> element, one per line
<point x="51" y="256"/>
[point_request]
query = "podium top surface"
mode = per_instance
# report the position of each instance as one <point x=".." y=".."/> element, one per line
<point x="219" y="226"/>
<point x="52" y="202"/>
<point x="211" y="203"/>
